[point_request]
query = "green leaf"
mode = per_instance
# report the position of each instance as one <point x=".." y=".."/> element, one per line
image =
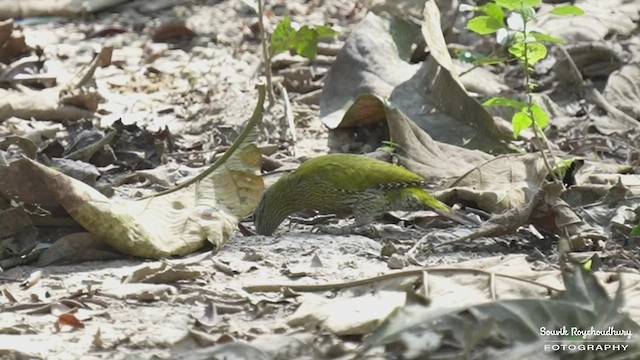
<point x="562" y="165"/>
<point x="565" y="163"/>
<point x="508" y="4"/>
<point x="484" y="25"/>
<point x="517" y="50"/>
<point x="542" y="37"/>
<point x="325" y="32"/>
<point x="492" y="10"/>
<point x="516" y="4"/>
<point x="531" y="3"/>
<point x="307" y="42"/>
<point x="502" y="101"/>
<point x="520" y="121"/>
<point x="390" y="144"/>
<point x="304" y="40"/>
<point x="635" y="230"/>
<point x="567" y="10"/>
<point x="539" y="116"/>
<point x="535" y="52"/>
<point x="528" y="13"/>
<point x="518" y="36"/>
<point x="283" y="37"/>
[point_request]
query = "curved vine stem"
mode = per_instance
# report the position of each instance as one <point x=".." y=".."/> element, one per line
<point x="390" y="276"/>
<point x="253" y="121"/>
<point x="265" y="53"/>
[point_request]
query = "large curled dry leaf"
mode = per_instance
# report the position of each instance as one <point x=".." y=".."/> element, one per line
<point x="502" y="183"/>
<point x="173" y="224"/>
<point x="547" y="211"/>
<point x="176" y="222"/>
<point x="374" y="64"/>
<point x="421" y="154"/>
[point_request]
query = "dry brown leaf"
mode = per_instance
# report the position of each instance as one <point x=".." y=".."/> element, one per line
<point x="42" y="105"/>
<point x="372" y="73"/>
<point x="139" y="291"/>
<point x="12" y="41"/>
<point x="621" y="90"/>
<point x="72" y="100"/>
<point x="28" y="147"/>
<point x="502" y="183"/>
<point x="173" y="31"/>
<point x="431" y="159"/>
<point x="78" y="247"/>
<point x="9" y="295"/>
<point x="69" y="320"/>
<point x="162" y="273"/>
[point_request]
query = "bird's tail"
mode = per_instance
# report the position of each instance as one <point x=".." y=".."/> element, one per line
<point x="441" y="208"/>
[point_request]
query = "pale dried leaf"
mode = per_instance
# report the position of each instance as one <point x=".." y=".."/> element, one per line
<point x="347" y="315"/>
<point x="177" y="223"/>
<point x="502" y="183"/>
<point x="601" y="19"/>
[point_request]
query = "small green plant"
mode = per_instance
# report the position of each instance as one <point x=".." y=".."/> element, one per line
<point x="389" y="147"/>
<point x="304" y="40"/>
<point x="525" y="45"/>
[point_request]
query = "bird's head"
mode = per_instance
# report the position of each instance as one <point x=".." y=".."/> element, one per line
<point x="276" y="203"/>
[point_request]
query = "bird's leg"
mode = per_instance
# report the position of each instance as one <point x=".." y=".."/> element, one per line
<point x="336" y="229"/>
<point x="313" y="219"/>
<point x="363" y="225"/>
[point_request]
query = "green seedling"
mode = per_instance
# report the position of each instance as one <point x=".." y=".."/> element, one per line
<point x="285" y="38"/>
<point x="525" y="45"/>
<point x="303" y="40"/>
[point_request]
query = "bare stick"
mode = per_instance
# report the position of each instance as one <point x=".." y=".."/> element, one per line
<point x="265" y="53"/>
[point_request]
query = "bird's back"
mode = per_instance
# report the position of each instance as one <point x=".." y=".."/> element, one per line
<point x="350" y="172"/>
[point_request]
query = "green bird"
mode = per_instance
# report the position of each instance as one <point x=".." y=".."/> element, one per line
<point x="346" y="184"/>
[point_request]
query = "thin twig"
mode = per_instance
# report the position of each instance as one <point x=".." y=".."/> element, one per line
<point x="288" y="114"/>
<point x="265" y="53"/>
<point x="395" y="275"/>
<point x="537" y="132"/>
